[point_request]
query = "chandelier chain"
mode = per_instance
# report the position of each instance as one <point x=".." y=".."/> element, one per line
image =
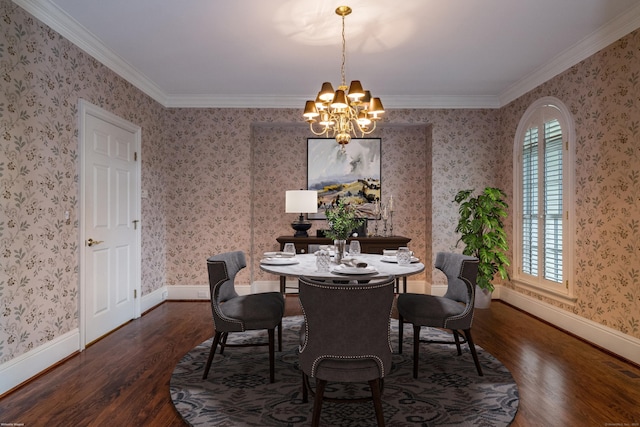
<point x="344" y="55"/>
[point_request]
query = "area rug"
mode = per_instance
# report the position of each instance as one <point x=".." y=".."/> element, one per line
<point x="448" y="392"/>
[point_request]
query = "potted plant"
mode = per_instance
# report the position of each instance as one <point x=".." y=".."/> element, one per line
<point x="482" y="232"/>
<point x="343" y="219"/>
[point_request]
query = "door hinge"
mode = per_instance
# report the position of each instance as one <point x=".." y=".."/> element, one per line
<point x="135" y="156"/>
<point x="135" y="293"/>
<point x="135" y="224"/>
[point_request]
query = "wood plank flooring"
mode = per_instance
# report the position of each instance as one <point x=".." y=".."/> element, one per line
<point x="123" y="379"/>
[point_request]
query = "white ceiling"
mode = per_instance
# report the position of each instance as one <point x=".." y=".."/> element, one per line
<point x="411" y="53"/>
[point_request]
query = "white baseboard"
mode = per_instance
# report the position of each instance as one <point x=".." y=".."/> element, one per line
<point x="438" y="290"/>
<point x="22" y="368"/>
<point x="196" y="292"/>
<point x="607" y="338"/>
<point x="153" y="299"/>
<point x="267" y="286"/>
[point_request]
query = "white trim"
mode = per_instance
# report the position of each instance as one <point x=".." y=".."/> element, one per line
<point x="564" y="292"/>
<point x="265" y="286"/>
<point x="188" y="292"/>
<point x="607" y="338"/>
<point x="438" y="290"/>
<point x="278" y="101"/>
<point x="29" y="364"/>
<point x="552" y="293"/>
<point x="152" y="299"/>
<point x="614" y="30"/>
<point x="198" y="292"/>
<point x="50" y="14"/>
<point x="60" y="21"/>
<point x="86" y="108"/>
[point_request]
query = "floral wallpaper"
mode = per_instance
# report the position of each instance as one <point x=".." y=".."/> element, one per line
<point x="216" y="178"/>
<point x="42" y="77"/>
<point x="603" y="95"/>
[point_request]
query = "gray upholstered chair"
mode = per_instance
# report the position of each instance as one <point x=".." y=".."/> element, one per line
<point x="452" y="311"/>
<point x="235" y="313"/>
<point x="345" y="337"/>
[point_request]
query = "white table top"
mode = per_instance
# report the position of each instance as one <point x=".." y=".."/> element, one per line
<point x="306" y="266"/>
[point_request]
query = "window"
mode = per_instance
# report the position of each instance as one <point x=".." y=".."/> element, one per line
<point x="543" y="189"/>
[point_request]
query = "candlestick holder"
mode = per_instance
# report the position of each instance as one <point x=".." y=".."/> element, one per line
<point x="391" y="223"/>
<point x="375" y="226"/>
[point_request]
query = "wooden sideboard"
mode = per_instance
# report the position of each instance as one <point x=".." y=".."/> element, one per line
<point x="368" y="245"/>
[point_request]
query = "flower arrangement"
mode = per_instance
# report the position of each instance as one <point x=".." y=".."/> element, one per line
<point x="343" y="219"/>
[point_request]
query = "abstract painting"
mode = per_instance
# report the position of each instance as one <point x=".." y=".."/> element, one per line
<point x="351" y="174"/>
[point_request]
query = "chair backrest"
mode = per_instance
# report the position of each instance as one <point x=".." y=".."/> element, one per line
<point x="222" y="273"/>
<point x="461" y="271"/>
<point x="346" y="322"/>
<point x="222" y="269"/>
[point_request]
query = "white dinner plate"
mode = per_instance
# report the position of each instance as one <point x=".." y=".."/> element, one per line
<point x="354" y="270"/>
<point x="279" y="261"/>
<point x="395" y="260"/>
<point x="278" y="255"/>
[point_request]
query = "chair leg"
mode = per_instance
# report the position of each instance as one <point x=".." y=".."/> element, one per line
<point x="400" y="330"/>
<point x="272" y="357"/>
<point x="377" y="401"/>
<point x="472" y="347"/>
<point x="223" y="341"/>
<point x="416" y="349"/>
<point x="317" y="402"/>
<point x="212" y="352"/>
<point x="305" y="391"/>
<point x="280" y="336"/>
<point x="456" y="337"/>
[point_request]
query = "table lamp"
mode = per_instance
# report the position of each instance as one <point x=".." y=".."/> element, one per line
<point x="301" y="202"/>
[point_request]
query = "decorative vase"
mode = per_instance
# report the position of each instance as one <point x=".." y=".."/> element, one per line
<point x="483" y="298"/>
<point x="340" y="249"/>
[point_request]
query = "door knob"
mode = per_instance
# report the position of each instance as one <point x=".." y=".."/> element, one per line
<point x="92" y="242"/>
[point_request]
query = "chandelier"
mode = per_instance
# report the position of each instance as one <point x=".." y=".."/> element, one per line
<point x="343" y="113"/>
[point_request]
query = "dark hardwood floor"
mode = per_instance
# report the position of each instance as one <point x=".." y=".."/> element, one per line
<point x="123" y="379"/>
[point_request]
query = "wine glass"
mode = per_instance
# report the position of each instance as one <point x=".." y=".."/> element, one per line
<point x="289" y="249"/>
<point x="354" y="248"/>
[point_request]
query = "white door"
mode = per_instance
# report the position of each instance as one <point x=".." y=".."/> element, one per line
<point x="110" y="228"/>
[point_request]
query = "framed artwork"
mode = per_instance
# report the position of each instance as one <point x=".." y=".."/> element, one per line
<point x="352" y="174"/>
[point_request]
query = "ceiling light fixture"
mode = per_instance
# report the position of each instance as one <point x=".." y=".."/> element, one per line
<point x="343" y="114"/>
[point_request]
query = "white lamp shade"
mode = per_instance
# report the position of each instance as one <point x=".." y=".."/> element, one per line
<point x="301" y="201"/>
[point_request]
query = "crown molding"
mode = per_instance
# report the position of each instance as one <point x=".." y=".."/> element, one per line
<point x="276" y="101"/>
<point x="77" y="34"/>
<point x="440" y="101"/>
<point x="615" y="29"/>
<point x="51" y="15"/>
<point x="234" y="101"/>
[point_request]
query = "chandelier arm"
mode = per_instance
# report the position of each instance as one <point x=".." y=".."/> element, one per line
<point x="325" y="130"/>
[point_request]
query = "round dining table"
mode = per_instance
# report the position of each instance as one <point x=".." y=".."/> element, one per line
<point x="305" y="265"/>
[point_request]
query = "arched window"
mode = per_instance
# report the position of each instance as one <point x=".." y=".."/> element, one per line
<point x="543" y="199"/>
